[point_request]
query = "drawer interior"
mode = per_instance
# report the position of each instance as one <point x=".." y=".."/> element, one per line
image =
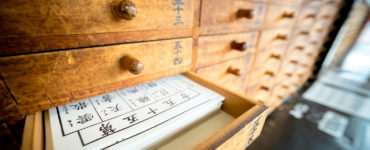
<point x="239" y="118"/>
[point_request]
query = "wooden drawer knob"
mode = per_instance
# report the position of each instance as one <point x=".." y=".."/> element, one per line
<point x="240" y="46"/>
<point x="288" y="15"/>
<point x="132" y="64"/>
<point x="124" y="9"/>
<point x="234" y="71"/>
<point x="304" y="33"/>
<point x="301" y="48"/>
<point x="245" y="13"/>
<point x="310" y="16"/>
<point x="275" y="56"/>
<point x="269" y="73"/>
<point x="281" y="37"/>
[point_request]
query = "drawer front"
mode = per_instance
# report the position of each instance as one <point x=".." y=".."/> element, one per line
<point x="301" y="36"/>
<point x="230" y="16"/>
<point x="281" y="15"/>
<point x="260" y="93"/>
<point x="307" y="17"/>
<point x="328" y="10"/>
<point x="215" y="49"/>
<point x="274" y="37"/>
<point x="269" y="54"/>
<point x="232" y="74"/>
<point x="60" y="17"/>
<point x="266" y="74"/>
<point x="40" y="81"/>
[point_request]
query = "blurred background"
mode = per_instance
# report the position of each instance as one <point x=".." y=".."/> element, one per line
<point x="332" y="111"/>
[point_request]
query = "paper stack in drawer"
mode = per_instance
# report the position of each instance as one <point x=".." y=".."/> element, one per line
<point x="132" y="118"/>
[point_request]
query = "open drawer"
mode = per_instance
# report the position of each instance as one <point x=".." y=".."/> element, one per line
<point x="235" y="126"/>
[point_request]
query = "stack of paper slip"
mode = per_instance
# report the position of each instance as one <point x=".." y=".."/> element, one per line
<point x="132" y="118"/>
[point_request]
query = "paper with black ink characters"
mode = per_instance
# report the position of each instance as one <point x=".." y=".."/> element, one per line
<point x="106" y="120"/>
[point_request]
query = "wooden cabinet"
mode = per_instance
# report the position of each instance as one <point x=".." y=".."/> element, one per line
<point x="57" y="52"/>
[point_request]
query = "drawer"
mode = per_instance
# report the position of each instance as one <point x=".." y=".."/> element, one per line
<point x="281" y="91"/>
<point x="300" y="36"/>
<point x="262" y="95"/>
<point x="312" y="50"/>
<point x="215" y="49"/>
<point x="266" y="74"/>
<point x="232" y="74"/>
<point x="275" y="53"/>
<point x="230" y="16"/>
<point x="44" y="80"/>
<point x="281" y="16"/>
<point x="328" y="10"/>
<point x="63" y="24"/>
<point x="321" y="25"/>
<point x="273" y="37"/>
<point x="240" y="124"/>
<point x="289" y="67"/>
<point x="307" y="17"/>
<point x="295" y="53"/>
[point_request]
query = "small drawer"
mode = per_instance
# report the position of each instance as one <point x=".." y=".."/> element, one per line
<point x="269" y="54"/>
<point x="238" y="124"/>
<point x="219" y="48"/>
<point x="306" y="60"/>
<point x="232" y="74"/>
<point x="265" y="76"/>
<point x="312" y="50"/>
<point x="307" y="17"/>
<point x="44" y="80"/>
<point x="289" y="67"/>
<point x="321" y="25"/>
<point x="281" y="16"/>
<point x="281" y="91"/>
<point x="274" y="37"/>
<point x="230" y="16"/>
<point x="300" y="37"/>
<point x="328" y="10"/>
<point x="41" y="26"/>
<point x="295" y="53"/>
<point x="262" y="94"/>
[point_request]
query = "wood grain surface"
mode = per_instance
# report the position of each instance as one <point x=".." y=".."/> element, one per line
<point x="220" y="16"/>
<point x="41" y="81"/>
<point x="218" y="73"/>
<point x="59" y="24"/>
<point x="216" y="49"/>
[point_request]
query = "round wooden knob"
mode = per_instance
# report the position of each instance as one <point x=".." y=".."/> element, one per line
<point x="124" y="9"/>
<point x="245" y="13"/>
<point x="240" y="46"/>
<point x="131" y="64"/>
<point x="234" y="71"/>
